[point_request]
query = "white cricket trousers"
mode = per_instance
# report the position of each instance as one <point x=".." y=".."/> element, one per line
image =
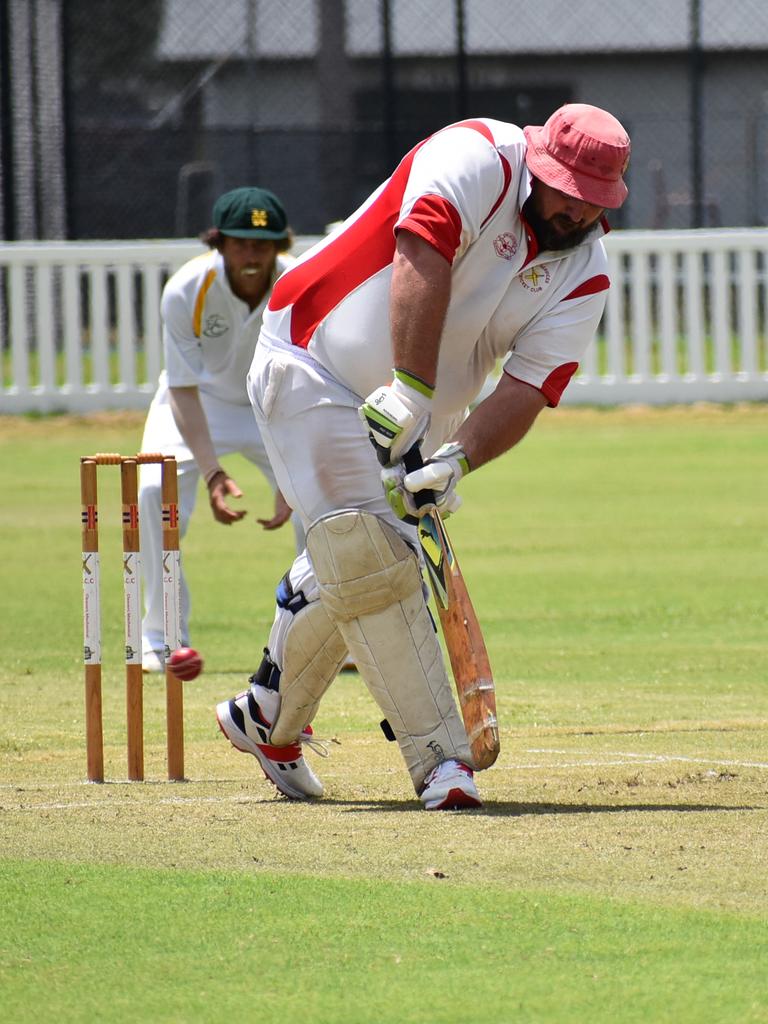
<point x="318" y="447"/>
<point x="324" y="462"/>
<point x="232" y="429"/>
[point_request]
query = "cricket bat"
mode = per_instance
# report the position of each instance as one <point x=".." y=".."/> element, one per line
<point x="461" y="631"/>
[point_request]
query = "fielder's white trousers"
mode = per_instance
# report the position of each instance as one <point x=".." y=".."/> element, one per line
<point x="232" y="429"/>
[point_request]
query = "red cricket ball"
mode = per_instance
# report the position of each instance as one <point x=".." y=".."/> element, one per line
<point x="186" y="663"/>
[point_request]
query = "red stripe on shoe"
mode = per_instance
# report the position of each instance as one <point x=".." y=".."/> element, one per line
<point x="457" y="798"/>
<point x="596" y="284"/>
<point x="292" y="753"/>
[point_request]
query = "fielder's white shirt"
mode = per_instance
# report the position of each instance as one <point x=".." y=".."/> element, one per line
<point x="462" y="191"/>
<point x="209" y="334"/>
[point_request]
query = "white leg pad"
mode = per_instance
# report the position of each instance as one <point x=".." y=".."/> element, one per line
<point x="370" y="583"/>
<point x="308" y="649"/>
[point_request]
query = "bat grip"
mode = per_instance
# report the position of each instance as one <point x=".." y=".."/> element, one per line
<point x="412" y="461"/>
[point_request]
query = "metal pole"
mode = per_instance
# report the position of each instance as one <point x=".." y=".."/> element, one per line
<point x="697" y="114"/>
<point x="388" y="85"/>
<point x="7" y="217"/>
<point x="462" y="90"/>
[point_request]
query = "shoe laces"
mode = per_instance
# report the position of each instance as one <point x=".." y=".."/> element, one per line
<point x="319" y="745"/>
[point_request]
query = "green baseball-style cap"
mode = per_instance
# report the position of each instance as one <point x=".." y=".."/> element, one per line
<point x="250" y="213"/>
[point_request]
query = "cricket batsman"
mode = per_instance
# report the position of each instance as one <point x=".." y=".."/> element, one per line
<point x="485" y="243"/>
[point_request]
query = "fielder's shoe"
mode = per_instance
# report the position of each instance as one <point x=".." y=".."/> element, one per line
<point x="244" y="722"/>
<point x="153" y="661"/>
<point x="450" y="787"/>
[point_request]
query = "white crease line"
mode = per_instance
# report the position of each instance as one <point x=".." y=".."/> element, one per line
<point x="568" y="764"/>
<point x="85" y="784"/>
<point x="699" y="760"/>
<point x="651" y="759"/>
<point x="636" y="760"/>
<point x="29" y="804"/>
<point x="87" y="804"/>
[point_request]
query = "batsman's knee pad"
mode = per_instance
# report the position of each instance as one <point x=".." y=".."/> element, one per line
<point x="370" y="583"/>
<point x="305" y="653"/>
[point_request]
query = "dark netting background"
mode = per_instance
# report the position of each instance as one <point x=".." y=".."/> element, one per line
<point x="125" y="118"/>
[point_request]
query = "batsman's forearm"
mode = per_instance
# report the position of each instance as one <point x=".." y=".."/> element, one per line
<point x="419" y="297"/>
<point x="190" y="418"/>
<point x="500" y="422"/>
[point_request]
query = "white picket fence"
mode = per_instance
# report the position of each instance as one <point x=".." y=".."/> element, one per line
<point x="685" y="321"/>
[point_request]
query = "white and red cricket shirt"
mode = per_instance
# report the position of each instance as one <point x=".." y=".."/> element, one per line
<point x="462" y="191"/>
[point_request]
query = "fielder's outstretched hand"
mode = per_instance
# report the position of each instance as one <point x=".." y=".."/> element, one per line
<point x="406" y="491"/>
<point x="220" y="487"/>
<point x="397" y="416"/>
<point x="282" y="513"/>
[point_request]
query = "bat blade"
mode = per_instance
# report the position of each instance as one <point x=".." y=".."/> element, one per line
<point x="463" y="640"/>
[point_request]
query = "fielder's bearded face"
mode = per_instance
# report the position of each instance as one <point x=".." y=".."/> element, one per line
<point x="559" y="221"/>
<point x="249" y="263"/>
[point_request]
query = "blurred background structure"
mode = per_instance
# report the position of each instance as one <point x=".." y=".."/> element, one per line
<point x="124" y="118"/>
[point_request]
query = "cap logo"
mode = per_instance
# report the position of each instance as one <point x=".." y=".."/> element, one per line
<point x="259" y="218"/>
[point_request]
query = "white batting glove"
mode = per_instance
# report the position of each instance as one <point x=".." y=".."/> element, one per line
<point x="397" y="416"/>
<point x="439" y="475"/>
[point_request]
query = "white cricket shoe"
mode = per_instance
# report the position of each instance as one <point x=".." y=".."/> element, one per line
<point x="450" y="787"/>
<point x="152" y="661"/>
<point x="244" y="722"/>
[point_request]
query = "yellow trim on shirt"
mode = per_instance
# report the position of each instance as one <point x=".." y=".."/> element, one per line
<point x="197" y="316"/>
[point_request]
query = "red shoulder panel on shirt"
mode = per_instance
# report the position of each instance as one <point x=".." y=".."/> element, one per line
<point x="592" y="286"/>
<point x="477" y="126"/>
<point x="437" y="221"/>
<point x="318" y="285"/>
<point x="486" y="132"/>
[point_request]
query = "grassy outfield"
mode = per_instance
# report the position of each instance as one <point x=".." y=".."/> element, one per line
<point x="619" y="871"/>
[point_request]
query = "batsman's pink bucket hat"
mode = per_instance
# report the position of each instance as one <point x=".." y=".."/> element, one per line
<point x="582" y="151"/>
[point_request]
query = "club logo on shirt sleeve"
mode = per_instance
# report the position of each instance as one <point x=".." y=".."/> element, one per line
<point x="215" y="325"/>
<point x="505" y="245"/>
<point x="535" y="279"/>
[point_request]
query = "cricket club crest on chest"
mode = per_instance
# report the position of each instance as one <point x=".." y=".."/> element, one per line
<point x="214" y="326"/>
<point x="535" y="279"/>
<point x="505" y="245"/>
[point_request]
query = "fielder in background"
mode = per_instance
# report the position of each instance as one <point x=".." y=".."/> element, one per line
<point x="211" y="310"/>
<point x="486" y="242"/>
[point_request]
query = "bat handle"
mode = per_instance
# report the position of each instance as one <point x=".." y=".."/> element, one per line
<point x="412" y="461"/>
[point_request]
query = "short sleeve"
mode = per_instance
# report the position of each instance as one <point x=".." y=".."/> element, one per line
<point x="183" y="355"/>
<point x="455" y="180"/>
<point x="548" y="352"/>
